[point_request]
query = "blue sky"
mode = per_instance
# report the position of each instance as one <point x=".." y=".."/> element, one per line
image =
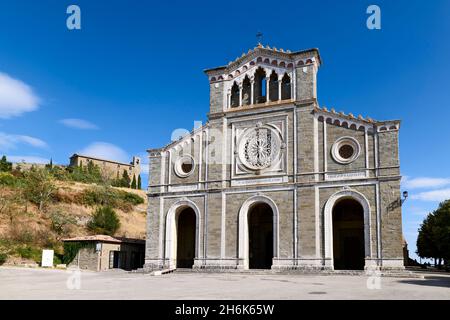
<point x="133" y="74"/>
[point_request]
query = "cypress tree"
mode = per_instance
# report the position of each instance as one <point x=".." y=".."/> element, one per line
<point x="133" y="182"/>
<point x="139" y="184"/>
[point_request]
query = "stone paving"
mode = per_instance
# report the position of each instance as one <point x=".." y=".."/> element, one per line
<point x="27" y="283"/>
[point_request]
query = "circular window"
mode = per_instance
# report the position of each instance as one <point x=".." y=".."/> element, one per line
<point x="260" y="148"/>
<point x="345" y="150"/>
<point x="184" y="166"/>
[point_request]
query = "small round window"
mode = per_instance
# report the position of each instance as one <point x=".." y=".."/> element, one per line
<point x="184" y="166"/>
<point x="345" y="150"/>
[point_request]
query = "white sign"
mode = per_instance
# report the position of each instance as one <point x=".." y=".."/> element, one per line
<point x="47" y="258"/>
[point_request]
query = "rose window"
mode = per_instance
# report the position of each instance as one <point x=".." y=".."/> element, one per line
<point x="260" y="148"/>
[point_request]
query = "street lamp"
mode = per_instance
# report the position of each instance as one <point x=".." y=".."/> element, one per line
<point x="405" y="195"/>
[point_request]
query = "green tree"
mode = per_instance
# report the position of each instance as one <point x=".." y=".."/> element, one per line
<point x="5" y="166"/>
<point x="125" y="179"/>
<point x="61" y="222"/>
<point x="139" y="184"/>
<point x="433" y="240"/>
<point x="50" y="164"/>
<point x="133" y="182"/>
<point x="104" y="221"/>
<point x="39" y="186"/>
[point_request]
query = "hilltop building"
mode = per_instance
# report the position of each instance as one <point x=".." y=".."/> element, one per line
<point x="113" y="169"/>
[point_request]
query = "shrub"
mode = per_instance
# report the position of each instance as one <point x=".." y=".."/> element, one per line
<point x="129" y="197"/>
<point x="61" y="222"/>
<point x="103" y="196"/>
<point x="29" y="252"/>
<point x="7" y="179"/>
<point x="107" y="196"/>
<point x="5" y="165"/>
<point x="3" y="258"/>
<point x="104" y="221"/>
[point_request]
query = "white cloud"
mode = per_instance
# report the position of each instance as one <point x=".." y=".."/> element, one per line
<point x="10" y="141"/>
<point x="105" y="150"/>
<point x="435" y="195"/>
<point x="28" y="159"/>
<point x="16" y="97"/>
<point x="78" y="124"/>
<point x="425" y="182"/>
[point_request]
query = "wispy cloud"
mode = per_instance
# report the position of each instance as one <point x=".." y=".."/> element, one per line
<point x="78" y="124"/>
<point x="10" y="141"/>
<point x="434" y="195"/>
<point x="425" y="183"/>
<point x="105" y="150"/>
<point x="16" y="97"/>
<point x="28" y="159"/>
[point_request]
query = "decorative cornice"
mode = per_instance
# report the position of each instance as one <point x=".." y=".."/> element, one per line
<point x="299" y="58"/>
<point x="350" y="121"/>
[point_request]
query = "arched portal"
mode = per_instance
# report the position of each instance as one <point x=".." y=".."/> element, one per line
<point x="182" y="234"/>
<point x="256" y="210"/>
<point x="260" y="229"/>
<point x="186" y="238"/>
<point x="348" y="235"/>
<point x="336" y="201"/>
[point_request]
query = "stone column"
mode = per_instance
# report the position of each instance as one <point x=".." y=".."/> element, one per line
<point x="229" y="99"/>
<point x="267" y="89"/>
<point x="252" y="86"/>
<point x="279" y="88"/>
<point x="240" y="94"/>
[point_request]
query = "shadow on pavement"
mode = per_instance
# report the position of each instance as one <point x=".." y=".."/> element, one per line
<point x="430" y="281"/>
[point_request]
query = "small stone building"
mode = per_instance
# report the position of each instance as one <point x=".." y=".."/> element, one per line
<point x="273" y="180"/>
<point x="112" y="169"/>
<point x="101" y="252"/>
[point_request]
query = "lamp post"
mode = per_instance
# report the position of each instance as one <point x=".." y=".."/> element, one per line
<point x="405" y="195"/>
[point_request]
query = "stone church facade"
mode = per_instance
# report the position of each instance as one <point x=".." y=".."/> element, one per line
<point x="275" y="181"/>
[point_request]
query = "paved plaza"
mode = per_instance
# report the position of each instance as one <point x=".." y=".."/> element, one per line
<point x="24" y="283"/>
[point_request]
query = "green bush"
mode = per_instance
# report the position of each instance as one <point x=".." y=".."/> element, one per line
<point x="129" y="197"/>
<point x="106" y="196"/>
<point x="28" y="252"/>
<point x="7" y="179"/>
<point x="5" y="165"/>
<point x="104" y="221"/>
<point x="3" y="258"/>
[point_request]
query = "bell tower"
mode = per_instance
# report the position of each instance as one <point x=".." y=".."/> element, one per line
<point x="264" y="76"/>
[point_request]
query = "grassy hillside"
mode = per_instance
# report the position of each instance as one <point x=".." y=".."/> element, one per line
<point x="37" y="211"/>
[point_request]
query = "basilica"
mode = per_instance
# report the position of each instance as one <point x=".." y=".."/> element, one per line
<point x="275" y="181"/>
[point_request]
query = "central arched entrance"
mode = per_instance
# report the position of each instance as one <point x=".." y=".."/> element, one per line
<point x="260" y="236"/>
<point x="186" y="230"/>
<point x="348" y="235"/>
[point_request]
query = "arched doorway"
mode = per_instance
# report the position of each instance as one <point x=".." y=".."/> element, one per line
<point x="260" y="236"/>
<point x="348" y="235"/>
<point x="186" y="230"/>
